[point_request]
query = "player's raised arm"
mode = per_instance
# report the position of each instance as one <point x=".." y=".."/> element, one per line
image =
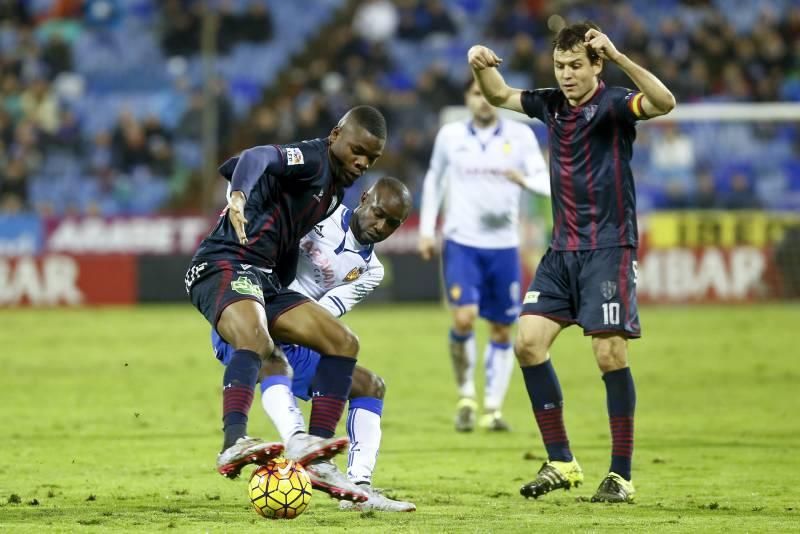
<point x="484" y="63"/>
<point x="657" y="99"/>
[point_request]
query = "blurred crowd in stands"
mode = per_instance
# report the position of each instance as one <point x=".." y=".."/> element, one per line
<point x="71" y="142"/>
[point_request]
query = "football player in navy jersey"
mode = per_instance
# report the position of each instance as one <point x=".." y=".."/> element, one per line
<point x="588" y="275"/>
<point x="237" y="276"/>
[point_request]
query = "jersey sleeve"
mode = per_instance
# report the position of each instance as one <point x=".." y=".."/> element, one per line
<point x="534" y="102"/>
<point x="301" y="161"/>
<point x="433" y="187"/>
<point x="341" y="299"/>
<point x="628" y="104"/>
<point x="537" y="176"/>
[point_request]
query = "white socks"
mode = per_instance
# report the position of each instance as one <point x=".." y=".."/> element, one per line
<point x="280" y="405"/>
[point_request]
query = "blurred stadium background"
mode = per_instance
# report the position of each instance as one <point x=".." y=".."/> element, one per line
<point x="115" y="113"/>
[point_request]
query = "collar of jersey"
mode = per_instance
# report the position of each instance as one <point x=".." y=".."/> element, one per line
<point x="365" y="252"/>
<point x="574" y="110"/>
<point x="474" y="133"/>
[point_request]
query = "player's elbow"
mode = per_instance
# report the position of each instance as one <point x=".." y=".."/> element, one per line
<point x="667" y="104"/>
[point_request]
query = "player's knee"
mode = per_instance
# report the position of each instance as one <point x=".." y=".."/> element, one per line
<point x="610" y="352"/>
<point x="346" y="343"/>
<point x="377" y="387"/>
<point x="530" y="349"/>
<point x="500" y="333"/>
<point x="254" y="338"/>
<point x="276" y="364"/>
<point x="464" y="321"/>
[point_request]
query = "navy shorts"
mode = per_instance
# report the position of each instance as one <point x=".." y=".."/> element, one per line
<point x="482" y="276"/>
<point x="595" y="289"/>
<point x="214" y="285"/>
<point x="303" y="360"/>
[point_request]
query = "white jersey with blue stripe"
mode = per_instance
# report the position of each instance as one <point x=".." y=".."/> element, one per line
<point x="333" y="267"/>
<point x="468" y="170"/>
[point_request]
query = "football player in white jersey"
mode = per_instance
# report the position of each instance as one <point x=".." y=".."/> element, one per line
<point x="480" y="167"/>
<point x="337" y="267"/>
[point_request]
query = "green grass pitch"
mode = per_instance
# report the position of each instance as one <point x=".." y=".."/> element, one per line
<point x="110" y="421"/>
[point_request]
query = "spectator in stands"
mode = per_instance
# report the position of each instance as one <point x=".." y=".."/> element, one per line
<point x="435" y="19"/>
<point x="705" y="196"/>
<point x="13" y="186"/>
<point x="41" y="106"/>
<point x="57" y="55"/>
<point x="408" y="26"/>
<point x="180" y="32"/>
<point x="256" y="23"/>
<point x="742" y="196"/>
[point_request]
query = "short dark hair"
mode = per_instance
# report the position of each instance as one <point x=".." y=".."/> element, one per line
<point x="574" y="35"/>
<point x="395" y="187"/>
<point x="370" y="119"/>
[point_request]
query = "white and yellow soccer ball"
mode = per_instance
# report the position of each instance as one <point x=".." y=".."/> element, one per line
<point x="280" y="490"/>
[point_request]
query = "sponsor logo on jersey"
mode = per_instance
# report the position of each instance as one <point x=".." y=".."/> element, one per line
<point x="318" y="196"/>
<point x="318" y="230"/>
<point x="245" y="266"/>
<point x="294" y="156"/>
<point x="245" y="286"/>
<point x="354" y="273"/>
<point x="455" y="292"/>
<point x="531" y="297"/>
<point x="608" y="289"/>
<point x="507" y="148"/>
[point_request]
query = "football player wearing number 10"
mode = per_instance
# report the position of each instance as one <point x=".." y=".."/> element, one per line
<point x="588" y="276"/>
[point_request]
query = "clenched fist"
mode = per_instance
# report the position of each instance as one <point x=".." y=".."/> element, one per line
<point x="481" y="57"/>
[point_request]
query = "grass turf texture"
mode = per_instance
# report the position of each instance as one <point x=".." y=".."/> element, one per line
<point x="111" y="418"/>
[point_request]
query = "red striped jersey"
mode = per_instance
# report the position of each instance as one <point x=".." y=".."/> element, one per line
<point x="282" y="207"/>
<point x="593" y="193"/>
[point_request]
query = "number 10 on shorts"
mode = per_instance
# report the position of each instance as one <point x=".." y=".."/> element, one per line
<point x="611" y="313"/>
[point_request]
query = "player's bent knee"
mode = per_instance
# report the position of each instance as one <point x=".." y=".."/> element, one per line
<point x="254" y="337"/>
<point x="277" y="364"/>
<point x="610" y="352"/>
<point x="347" y="343"/>
<point x="530" y="349"/>
<point x="377" y="386"/>
<point x="464" y="320"/>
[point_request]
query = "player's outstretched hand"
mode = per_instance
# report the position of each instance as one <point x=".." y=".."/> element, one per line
<point x="236" y="215"/>
<point x="601" y="44"/>
<point x="481" y="57"/>
<point x="426" y="246"/>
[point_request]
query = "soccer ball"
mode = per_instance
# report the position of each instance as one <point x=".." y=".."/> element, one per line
<point x="280" y="490"/>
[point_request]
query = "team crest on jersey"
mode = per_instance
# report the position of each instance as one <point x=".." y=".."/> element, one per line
<point x="589" y="112"/>
<point x="608" y="289"/>
<point x="354" y="273"/>
<point x="294" y="156"/>
<point x="455" y="292"/>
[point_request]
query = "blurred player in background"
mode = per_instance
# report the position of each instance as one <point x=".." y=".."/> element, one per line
<point x="338" y="268"/>
<point x="588" y="276"/>
<point x="480" y="167"/>
<point x="279" y="194"/>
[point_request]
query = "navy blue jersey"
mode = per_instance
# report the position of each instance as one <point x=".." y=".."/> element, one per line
<point x="283" y="206"/>
<point x="593" y="194"/>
